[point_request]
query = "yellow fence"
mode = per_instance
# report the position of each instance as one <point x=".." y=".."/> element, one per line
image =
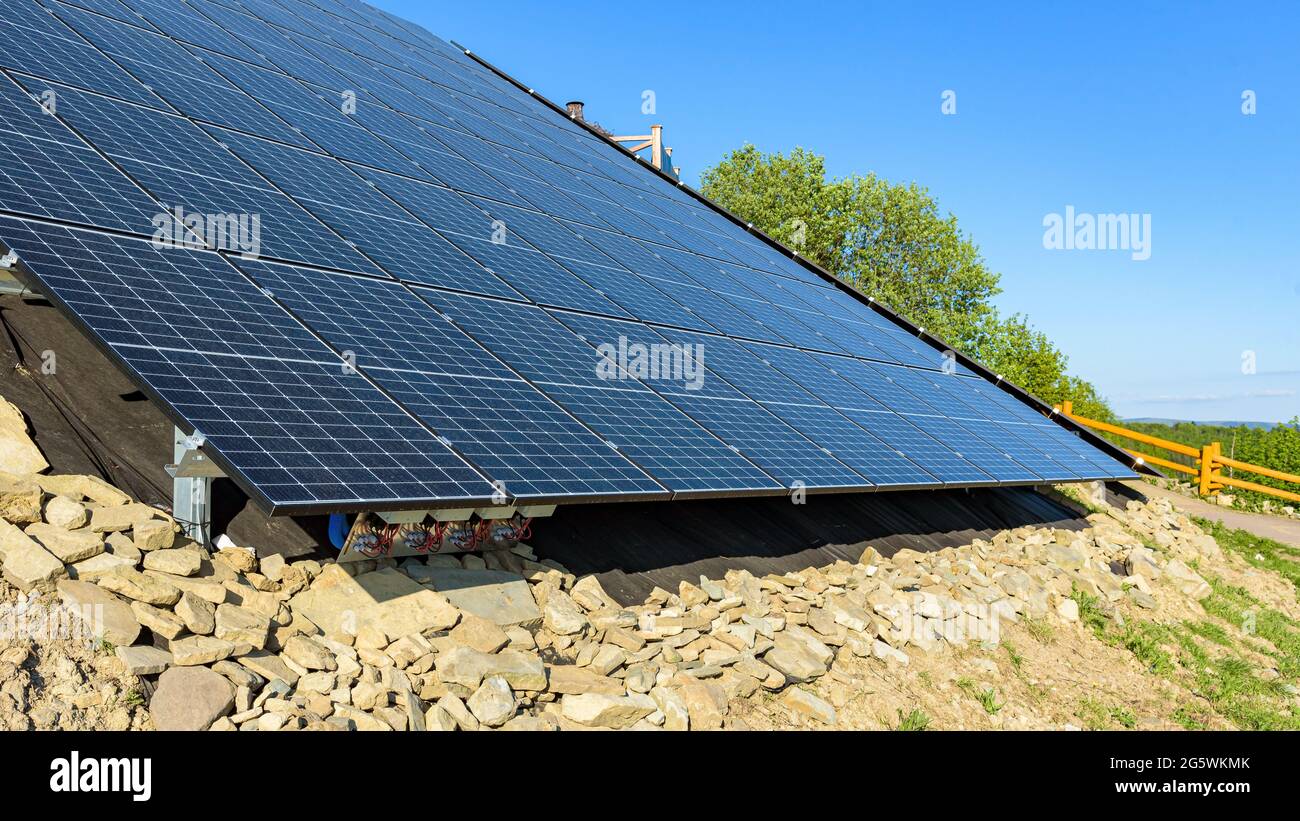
<point x="1209" y="461"/>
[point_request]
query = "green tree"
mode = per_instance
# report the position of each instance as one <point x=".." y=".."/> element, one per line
<point x="892" y="242"/>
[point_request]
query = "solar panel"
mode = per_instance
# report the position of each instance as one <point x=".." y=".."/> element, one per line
<point x="441" y="288"/>
<point x="280" y="408"/>
<point x="48" y="171"/>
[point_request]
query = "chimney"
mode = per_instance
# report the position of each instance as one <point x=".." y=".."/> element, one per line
<point x="575" y="109"/>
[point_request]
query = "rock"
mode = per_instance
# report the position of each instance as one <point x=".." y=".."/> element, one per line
<point x="795" y="659"/>
<point x="387" y="599"/>
<point x="528" y="724"/>
<point x="1068" y="609"/>
<point x="459" y="713"/>
<point x="570" y="680"/>
<point x="589" y="595"/>
<point x="135" y="585"/>
<point x="27" y="565"/>
<point x="162" y="622"/>
<point x="190" y="699"/>
<point x="106" y="616"/>
<point x="670" y="702"/>
<point x="144" y="660"/>
<point x="18" y="453"/>
<point x="83" y="487"/>
<point x="436" y="719"/>
<point x="309" y="654"/>
<point x="96" y="566"/>
<point x="155" y="534"/>
<point x="240" y="676"/>
<point x="608" y="659"/>
<point x="414" y="712"/>
<point x="706" y="703"/>
<point x="561" y="614"/>
<point x="321" y="681"/>
<point x="479" y="633"/>
<point x="272" y="567"/>
<point x="65" y="513"/>
<point x="238" y="559"/>
<point x="493" y="703"/>
<point x="502" y="598"/>
<point x="269" y="666"/>
<point x="242" y="626"/>
<point x="120" y="518"/>
<point x="20" y="499"/>
<point x="804" y="703"/>
<point x="468" y="667"/>
<point x="1065" y="556"/>
<point x="200" y="616"/>
<point x="1187" y="580"/>
<point x="176" y="562"/>
<point x="1144" y="600"/>
<point x="192" y="651"/>
<point x="884" y="652"/>
<point x="611" y="712"/>
<point x="206" y="587"/>
<point x="68" y="546"/>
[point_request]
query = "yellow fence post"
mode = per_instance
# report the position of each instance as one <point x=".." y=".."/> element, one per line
<point x="1210" y="469"/>
<point x="1216" y="469"/>
<point x="1067" y="407"/>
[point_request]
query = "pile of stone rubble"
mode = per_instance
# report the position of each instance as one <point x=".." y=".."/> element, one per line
<point x="502" y="640"/>
<point x="506" y="641"/>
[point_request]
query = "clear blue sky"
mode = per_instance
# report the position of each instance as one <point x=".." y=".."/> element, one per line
<point x="1110" y="107"/>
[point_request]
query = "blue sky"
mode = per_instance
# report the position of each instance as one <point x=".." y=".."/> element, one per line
<point x="1112" y="108"/>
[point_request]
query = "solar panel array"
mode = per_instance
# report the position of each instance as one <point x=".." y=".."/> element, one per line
<point x="373" y="273"/>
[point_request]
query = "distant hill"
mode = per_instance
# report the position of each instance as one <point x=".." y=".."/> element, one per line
<point x="1252" y="425"/>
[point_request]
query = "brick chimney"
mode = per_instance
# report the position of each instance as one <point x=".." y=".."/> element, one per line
<point x="575" y="109"/>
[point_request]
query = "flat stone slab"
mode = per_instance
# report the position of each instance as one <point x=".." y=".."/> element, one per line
<point x="144" y="660"/>
<point x="96" y="566"/>
<point x="190" y="699"/>
<point x="495" y="595"/>
<point x="27" y="565"/>
<point x="385" y="599"/>
<point x="107" y="617"/>
<point x="68" y="546"/>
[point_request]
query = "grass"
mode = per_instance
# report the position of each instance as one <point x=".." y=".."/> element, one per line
<point x="1098" y="716"/>
<point x="1040" y="629"/>
<point x="913" y="722"/>
<point x="1090" y="612"/>
<point x="1017" y="660"/>
<point x="134" y="698"/>
<point x="988" y="697"/>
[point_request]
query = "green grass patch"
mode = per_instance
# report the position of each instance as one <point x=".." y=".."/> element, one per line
<point x="1096" y="715"/>
<point x="913" y="722"/>
<point x="987" y="697"/>
<point x="1090" y="612"/>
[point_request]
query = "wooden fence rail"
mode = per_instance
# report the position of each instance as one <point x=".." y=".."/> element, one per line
<point x="1209" y="461"/>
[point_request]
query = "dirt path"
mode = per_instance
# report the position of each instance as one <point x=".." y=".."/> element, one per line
<point x="1286" y="531"/>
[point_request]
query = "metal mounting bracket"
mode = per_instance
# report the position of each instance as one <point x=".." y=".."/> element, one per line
<point x="192" y="476"/>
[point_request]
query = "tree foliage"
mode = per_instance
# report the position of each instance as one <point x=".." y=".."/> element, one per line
<point x="891" y="241"/>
